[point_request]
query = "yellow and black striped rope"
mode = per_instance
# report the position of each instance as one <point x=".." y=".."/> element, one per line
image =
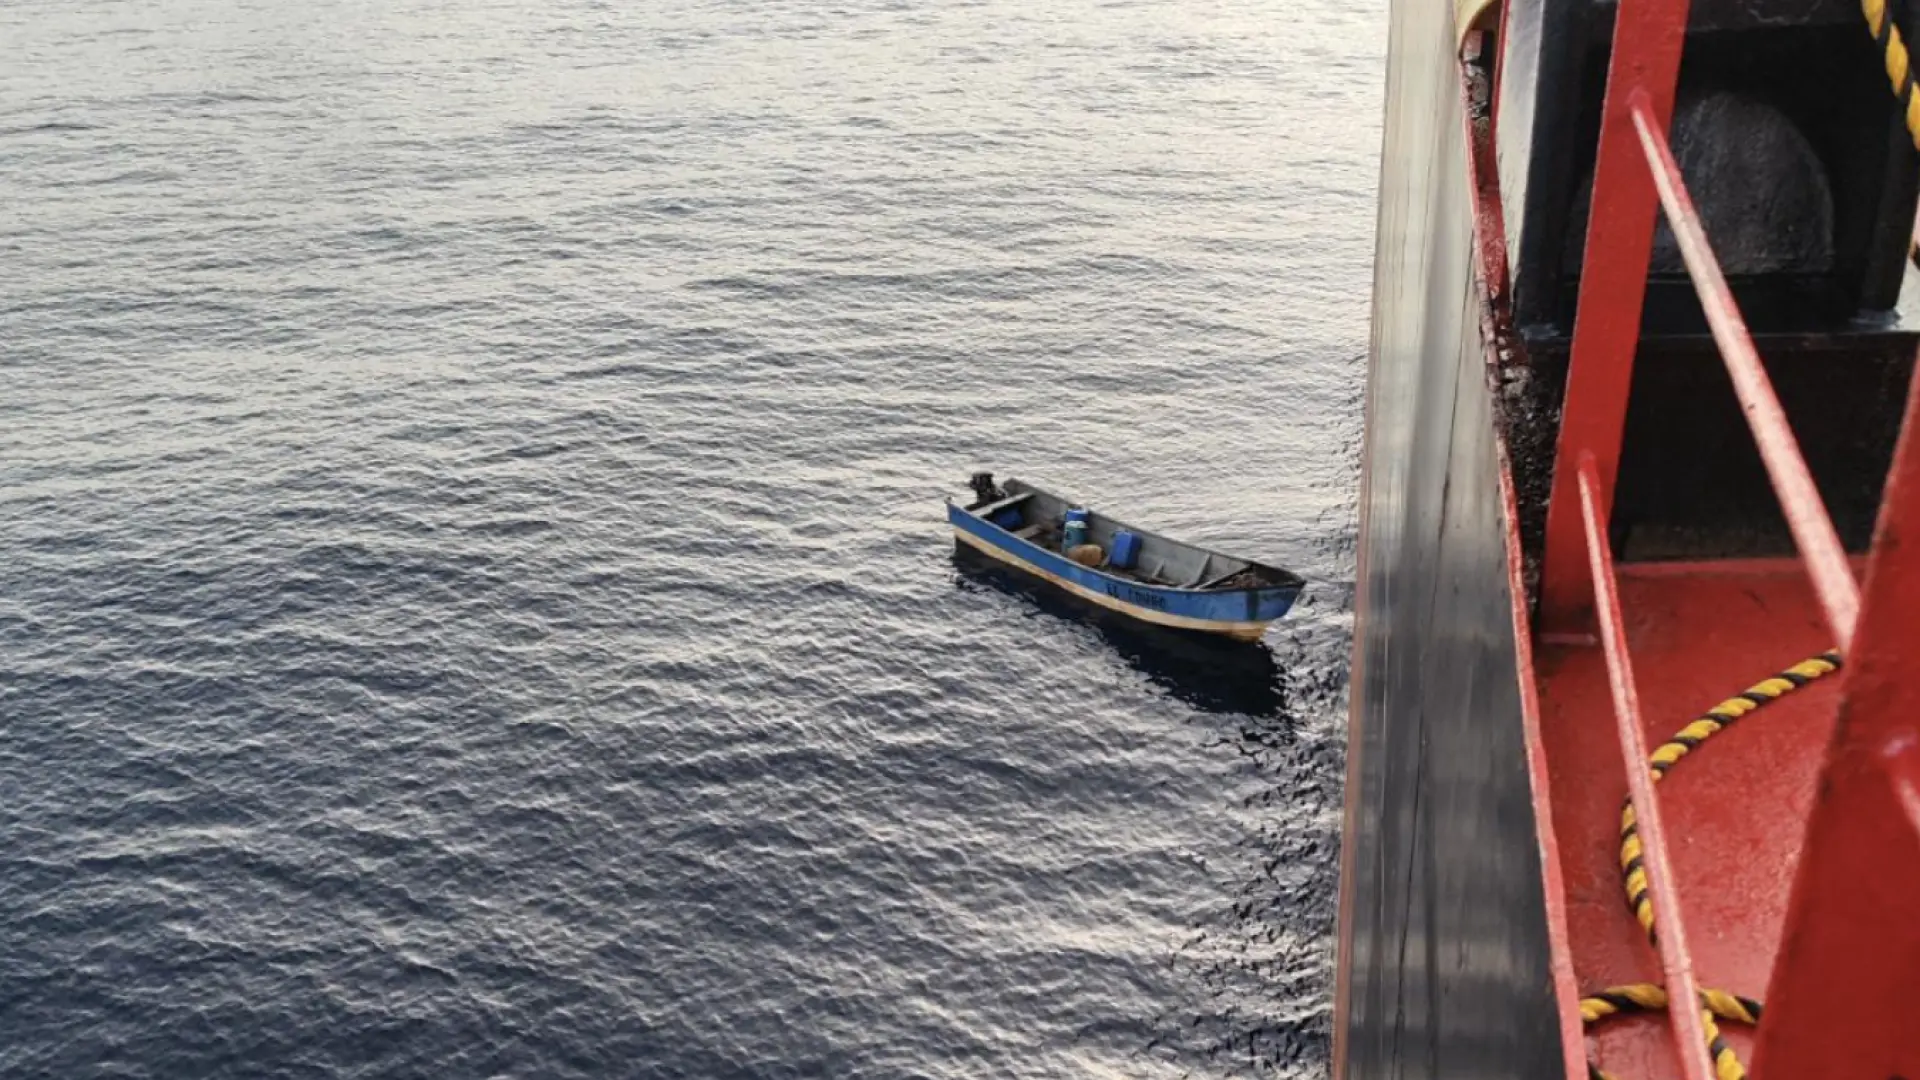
<point x="1716" y="719"/>
<point x="1646" y="997"/>
<point x="1899" y="70"/>
<point x="1726" y="1064"/>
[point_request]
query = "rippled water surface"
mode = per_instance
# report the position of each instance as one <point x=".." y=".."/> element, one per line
<point x="473" y="594"/>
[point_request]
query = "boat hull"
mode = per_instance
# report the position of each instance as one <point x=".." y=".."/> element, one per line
<point x="1242" y="614"/>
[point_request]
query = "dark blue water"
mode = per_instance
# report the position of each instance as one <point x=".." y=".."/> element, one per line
<point x="473" y="594"/>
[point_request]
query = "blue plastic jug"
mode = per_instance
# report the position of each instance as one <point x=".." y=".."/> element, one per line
<point x="1074" y="533"/>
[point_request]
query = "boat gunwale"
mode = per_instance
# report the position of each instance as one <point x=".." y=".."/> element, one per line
<point x="1294" y="581"/>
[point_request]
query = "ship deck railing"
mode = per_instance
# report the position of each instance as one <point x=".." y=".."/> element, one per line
<point x="1839" y="1002"/>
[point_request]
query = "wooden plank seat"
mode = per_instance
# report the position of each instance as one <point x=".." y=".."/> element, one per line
<point x="991" y="509"/>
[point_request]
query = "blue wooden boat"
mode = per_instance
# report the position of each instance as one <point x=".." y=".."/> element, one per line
<point x="1169" y="583"/>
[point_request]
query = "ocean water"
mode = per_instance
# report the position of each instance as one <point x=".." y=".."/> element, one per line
<point x="474" y="599"/>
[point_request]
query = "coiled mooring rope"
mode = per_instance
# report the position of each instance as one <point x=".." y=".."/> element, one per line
<point x="1646" y="997"/>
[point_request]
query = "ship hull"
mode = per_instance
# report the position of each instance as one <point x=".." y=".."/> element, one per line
<point x="1447" y="957"/>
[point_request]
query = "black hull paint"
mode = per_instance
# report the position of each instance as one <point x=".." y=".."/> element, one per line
<point x="1444" y="954"/>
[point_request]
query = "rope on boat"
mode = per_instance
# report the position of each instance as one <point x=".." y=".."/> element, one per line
<point x="1647" y="997"/>
<point x="1899" y="70"/>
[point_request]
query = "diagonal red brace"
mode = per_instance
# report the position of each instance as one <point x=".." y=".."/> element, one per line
<point x="1844" y="999"/>
<point x="1683" y="993"/>
<point x="1806" y="514"/>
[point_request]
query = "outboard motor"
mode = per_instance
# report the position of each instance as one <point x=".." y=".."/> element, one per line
<point x="985" y="490"/>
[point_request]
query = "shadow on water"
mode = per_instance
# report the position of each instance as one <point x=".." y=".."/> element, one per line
<point x="1256" y="964"/>
<point x="1211" y="673"/>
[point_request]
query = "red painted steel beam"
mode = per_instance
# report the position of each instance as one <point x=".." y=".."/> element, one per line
<point x="1806" y="514"/>
<point x="1683" y="994"/>
<point x="1647" y="39"/>
<point x="1844" y="999"/>
<point x="1491" y="280"/>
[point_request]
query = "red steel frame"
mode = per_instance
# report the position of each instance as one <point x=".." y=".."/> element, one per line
<point x="1683" y="991"/>
<point x="1844" y="995"/>
<point x="1806" y="515"/>
<point x="1845" y="990"/>
<point x="1647" y="38"/>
